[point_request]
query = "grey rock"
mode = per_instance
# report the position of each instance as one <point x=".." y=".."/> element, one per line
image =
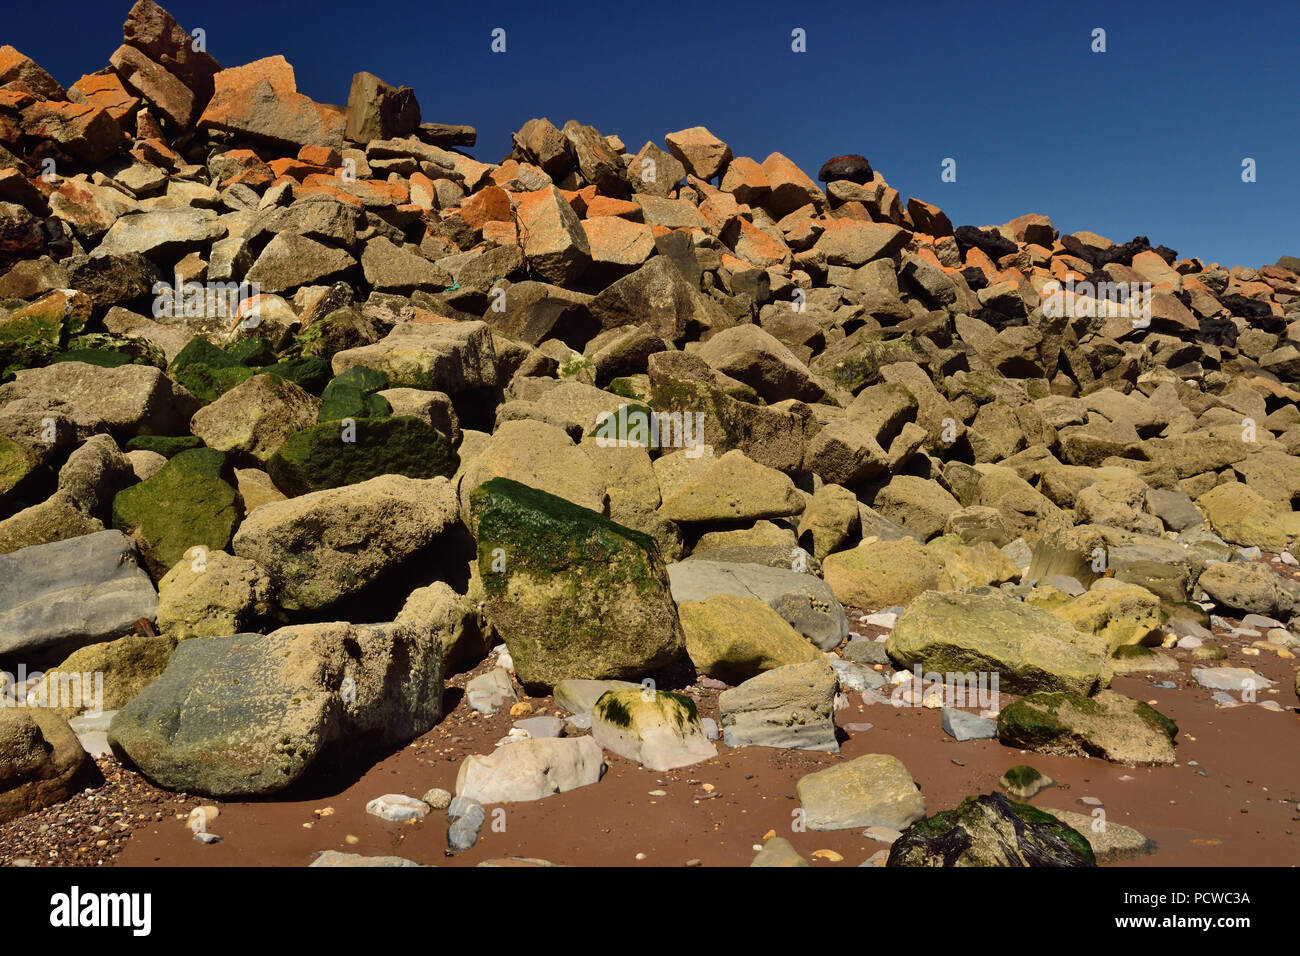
<point x="790" y="707"/>
<point x="250" y="713"/>
<point x="967" y="726"/>
<point x="538" y="727"/>
<point x="872" y="790"/>
<point x="578" y="696"/>
<point x="857" y="677"/>
<point x="1230" y="678"/>
<point x="531" y="770"/>
<point x="397" y="808"/>
<point x="805" y="601"/>
<point x="863" y="650"/>
<point x="57" y="597"/>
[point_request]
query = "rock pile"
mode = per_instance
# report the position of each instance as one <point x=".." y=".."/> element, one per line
<point x="312" y="391"/>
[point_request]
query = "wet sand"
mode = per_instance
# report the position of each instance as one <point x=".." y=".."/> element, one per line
<point x="1237" y="808"/>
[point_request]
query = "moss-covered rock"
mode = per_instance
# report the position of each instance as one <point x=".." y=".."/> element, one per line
<point x="308" y="372"/>
<point x="352" y="395"/>
<point x="1110" y="726"/>
<point x="1029" y="648"/>
<point x="991" y="830"/>
<point x="333" y="454"/>
<point x="1023" y="781"/>
<point x="207" y="371"/>
<point x="187" y="503"/>
<point x="252" y="351"/>
<point x="138" y="350"/>
<point x="573" y="594"/>
<point x="658" y="729"/>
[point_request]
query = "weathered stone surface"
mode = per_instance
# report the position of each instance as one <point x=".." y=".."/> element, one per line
<point x="261" y="99"/>
<point x="553" y="239"/>
<point x="789" y="707"/>
<point x="323" y="547"/>
<point x="573" y="594"/>
<point x="212" y="593"/>
<point x="804" y="601"/>
<point x="991" y="831"/>
<point x="531" y="770"/>
<point x="448" y="357"/>
<point x="879" y="574"/>
<point x="732" y="638"/>
<point x="872" y="790"/>
<point x="41" y="761"/>
<point x="57" y="597"/>
<point x="256" y="417"/>
<point x="186" y="504"/>
<point x="250" y="714"/>
<point x="658" y="729"/>
<point x="1109" y="725"/>
<point x="1031" y="649"/>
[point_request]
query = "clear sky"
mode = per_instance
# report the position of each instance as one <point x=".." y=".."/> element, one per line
<point x="1147" y="138"/>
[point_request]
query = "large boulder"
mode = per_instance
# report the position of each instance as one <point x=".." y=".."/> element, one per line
<point x="324" y="547"/>
<point x="730" y="488"/>
<point x="256" y="417"/>
<point x="248" y="714"/>
<point x="211" y="593"/>
<point x="261" y="100"/>
<point x="879" y="574"/>
<point x="991" y="831"/>
<point x="573" y="594"/>
<point x="1244" y="518"/>
<point x="447" y="357"/>
<point x="57" y="597"/>
<point x="186" y="504"/>
<point x="536" y="454"/>
<point x="349" y="451"/>
<point x="1030" y="649"/>
<point x="41" y="761"/>
<point x="127" y="400"/>
<point x="732" y="637"/>
<point x="1110" y="726"/>
<point x="1250" y="587"/>
<point x="107" y="676"/>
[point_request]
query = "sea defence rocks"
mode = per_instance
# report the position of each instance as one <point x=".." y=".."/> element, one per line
<point x="574" y="594"/>
<point x="644" y="412"/>
<point x="249" y="714"/>
<point x="56" y="597"/>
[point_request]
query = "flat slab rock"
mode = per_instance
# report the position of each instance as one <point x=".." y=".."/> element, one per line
<point x="56" y="597"/>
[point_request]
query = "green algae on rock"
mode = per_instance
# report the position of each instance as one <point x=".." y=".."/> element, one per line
<point x="573" y="594"/>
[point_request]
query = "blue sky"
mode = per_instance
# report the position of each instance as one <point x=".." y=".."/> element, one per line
<point x="1147" y="138"/>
